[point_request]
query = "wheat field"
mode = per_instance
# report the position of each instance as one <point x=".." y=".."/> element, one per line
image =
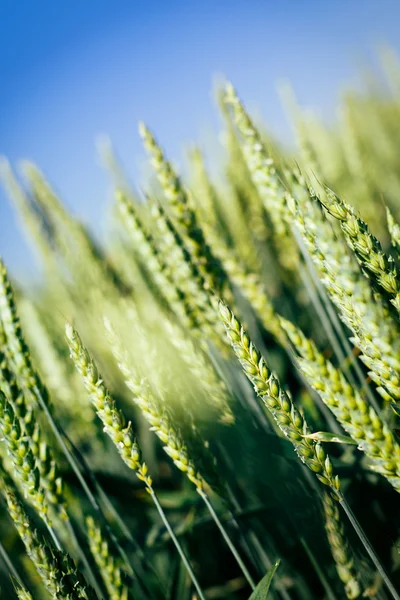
<point x="206" y="405"/>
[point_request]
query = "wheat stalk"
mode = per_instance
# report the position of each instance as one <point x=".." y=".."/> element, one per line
<point x="119" y="430"/>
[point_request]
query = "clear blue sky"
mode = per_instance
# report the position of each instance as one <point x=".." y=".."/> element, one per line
<point x="72" y="70"/>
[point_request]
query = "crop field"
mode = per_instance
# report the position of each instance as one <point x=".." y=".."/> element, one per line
<point x="206" y="405"/>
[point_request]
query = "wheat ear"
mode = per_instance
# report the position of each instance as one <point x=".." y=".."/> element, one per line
<point x="266" y="180"/>
<point x="56" y="569"/>
<point x="278" y="402"/>
<point x="106" y="562"/>
<point x="374" y="332"/>
<point x="340" y="548"/>
<point x="187" y="277"/>
<point x="185" y="214"/>
<point x="120" y="432"/>
<point x="17" y="348"/>
<point x="359" y="419"/>
<point x="379" y="266"/>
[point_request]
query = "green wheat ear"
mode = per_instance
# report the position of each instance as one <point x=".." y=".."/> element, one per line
<point x="379" y="267"/>
<point x="55" y="568"/>
<point x="278" y="402"/>
<point x="107" y="563"/>
<point x="185" y="214"/>
<point x="17" y="348"/>
<point x="32" y="435"/>
<point x="22" y="592"/>
<point x="27" y="473"/>
<point x="360" y="420"/>
<point x="155" y="413"/>
<point x="340" y="547"/>
<point x="266" y="180"/>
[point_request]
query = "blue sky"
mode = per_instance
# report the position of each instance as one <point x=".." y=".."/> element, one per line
<point x="70" y="71"/>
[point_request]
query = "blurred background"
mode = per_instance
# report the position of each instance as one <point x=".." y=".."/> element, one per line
<point x="73" y="71"/>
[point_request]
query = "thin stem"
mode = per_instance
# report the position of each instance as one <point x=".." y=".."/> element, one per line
<point x="7" y="561"/>
<point x="315" y="299"/>
<point x="176" y="542"/>
<point x="68" y="454"/>
<point x="78" y="470"/>
<point x="369" y="548"/>
<point x="227" y="538"/>
<point x="54" y="537"/>
<point x="325" y="583"/>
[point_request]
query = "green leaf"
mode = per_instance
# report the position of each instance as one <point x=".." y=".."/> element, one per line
<point x="324" y="436"/>
<point x="261" y="591"/>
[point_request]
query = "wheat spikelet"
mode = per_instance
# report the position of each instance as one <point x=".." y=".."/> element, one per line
<point x="22" y="593"/>
<point x="156" y="414"/>
<point x="107" y="563"/>
<point x="265" y="177"/>
<point x="24" y="463"/>
<point x="112" y="418"/>
<point x="380" y="268"/>
<point x="186" y="276"/>
<point x="360" y="421"/>
<point x="278" y="402"/>
<point x="184" y="212"/>
<point x="250" y="207"/>
<point x="56" y="569"/>
<point x="153" y="259"/>
<point x="16" y="347"/>
<point x="375" y="332"/>
<point x="341" y="550"/>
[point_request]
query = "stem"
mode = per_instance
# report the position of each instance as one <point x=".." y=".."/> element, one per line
<point x="78" y="471"/>
<point x="325" y="583"/>
<point x="54" y="537"/>
<point x="78" y="468"/>
<point x="315" y="299"/>
<point x="227" y="538"/>
<point x="68" y="454"/>
<point x="7" y="561"/>
<point x="369" y="548"/>
<point x="177" y="544"/>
